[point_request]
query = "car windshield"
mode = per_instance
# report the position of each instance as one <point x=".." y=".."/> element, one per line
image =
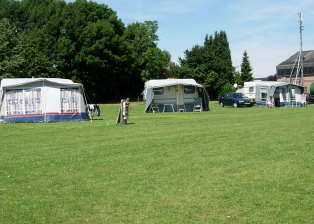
<point x="237" y="95"/>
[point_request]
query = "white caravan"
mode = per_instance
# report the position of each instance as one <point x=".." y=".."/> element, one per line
<point x="284" y="94"/>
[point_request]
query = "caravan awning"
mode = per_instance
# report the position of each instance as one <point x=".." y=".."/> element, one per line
<point x="275" y="85"/>
<point x="157" y="83"/>
<point x="8" y="83"/>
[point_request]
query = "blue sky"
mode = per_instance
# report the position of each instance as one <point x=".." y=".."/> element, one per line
<point x="267" y="29"/>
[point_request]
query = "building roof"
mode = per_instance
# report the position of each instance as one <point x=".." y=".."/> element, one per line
<point x="307" y="62"/>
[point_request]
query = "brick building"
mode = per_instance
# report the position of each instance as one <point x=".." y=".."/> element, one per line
<point x="283" y="70"/>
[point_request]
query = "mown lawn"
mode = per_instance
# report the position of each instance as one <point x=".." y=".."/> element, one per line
<point x="229" y="165"/>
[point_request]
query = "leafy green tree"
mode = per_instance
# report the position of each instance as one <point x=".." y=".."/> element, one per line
<point x="151" y="62"/>
<point x="142" y="36"/>
<point x="180" y="72"/>
<point x="9" y="10"/>
<point x="83" y="41"/>
<point x="210" y="80"/>
<point x="226" y="89"/>
<point x="5" y="6"/>
<point x="192" y="58"/>
<point x="36" y="62"/>
<point x="156" y="64"/>
<point x="91" y="49"/>
<point x="32" y="20"/>
<point x="246" y="69"/>
<point x="11" y="51"/>
<point x="222" y="59"/>
<point x="211" y="63"/>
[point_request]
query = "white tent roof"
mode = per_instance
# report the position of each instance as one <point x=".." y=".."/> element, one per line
<point x="263" y="83"/>
<point x="11" y="82"/>
<point x="170" y="82"/>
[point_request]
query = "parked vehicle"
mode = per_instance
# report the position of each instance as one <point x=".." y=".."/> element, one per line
<point x="235" y="100"/>
<point x="309" y="98"/>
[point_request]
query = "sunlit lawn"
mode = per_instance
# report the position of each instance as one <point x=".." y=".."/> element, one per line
<point x="229" y="165"/>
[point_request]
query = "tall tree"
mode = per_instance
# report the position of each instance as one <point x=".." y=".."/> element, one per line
<point x="246" y="69"/>
<point x="36" y="61"/>
<point x="11" y="51"/>
<point x="156" y="64"/>
<point x="222" y="60"/>
<point x="151" y="62"/>
<point x="91" y="49"/>
<point x="32" y="19"/>
<point x="86" y="42"/>
<point x="192" y="58"/>
<point x="211" y="63"/>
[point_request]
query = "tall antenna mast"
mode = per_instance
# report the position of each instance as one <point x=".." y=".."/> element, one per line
<point x="299" y="59"/>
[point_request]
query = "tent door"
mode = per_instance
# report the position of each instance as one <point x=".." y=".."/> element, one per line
<point x="283" y="95"/>
<point x="180" y="97"/>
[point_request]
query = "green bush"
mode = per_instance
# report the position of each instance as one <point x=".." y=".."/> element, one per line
<point x="226" y="89"/>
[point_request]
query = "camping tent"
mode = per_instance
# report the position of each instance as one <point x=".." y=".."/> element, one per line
<point x="174" y="94"/>
<point x="41" y="100"/>
<point x="285" y="94"/>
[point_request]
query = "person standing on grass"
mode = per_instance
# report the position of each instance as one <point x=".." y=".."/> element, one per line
<point x="270" y="102"/>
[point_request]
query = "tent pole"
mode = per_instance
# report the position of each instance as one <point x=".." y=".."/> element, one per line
<point x="86" y="103"/>
<point x="183" y="99"/>
<point x="44" y="102"/>
<point x="178" y="95"/>
<point x="84" y="95"/>
<point x="1" y="100"/>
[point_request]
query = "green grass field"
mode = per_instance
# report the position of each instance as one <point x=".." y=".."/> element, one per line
<point x="229" y="165"/>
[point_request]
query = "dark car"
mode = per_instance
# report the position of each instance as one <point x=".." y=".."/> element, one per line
<point x="309" y="98"/>
<point x="235" y="100"/>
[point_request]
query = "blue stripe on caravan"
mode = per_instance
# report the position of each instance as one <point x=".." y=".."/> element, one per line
<point x="47" y="118"/>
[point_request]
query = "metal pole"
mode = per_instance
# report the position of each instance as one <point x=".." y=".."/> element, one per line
<point x="301" y="28"/>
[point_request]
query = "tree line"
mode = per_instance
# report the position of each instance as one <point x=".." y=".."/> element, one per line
<point x="86" y="42"/>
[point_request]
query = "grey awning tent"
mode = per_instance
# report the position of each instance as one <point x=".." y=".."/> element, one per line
<point x="150" y="85"/>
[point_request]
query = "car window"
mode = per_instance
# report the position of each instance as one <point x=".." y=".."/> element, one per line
<point x="237" y="95"/>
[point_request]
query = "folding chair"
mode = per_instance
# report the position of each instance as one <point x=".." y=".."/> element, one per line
<point x="198" y="105"/>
